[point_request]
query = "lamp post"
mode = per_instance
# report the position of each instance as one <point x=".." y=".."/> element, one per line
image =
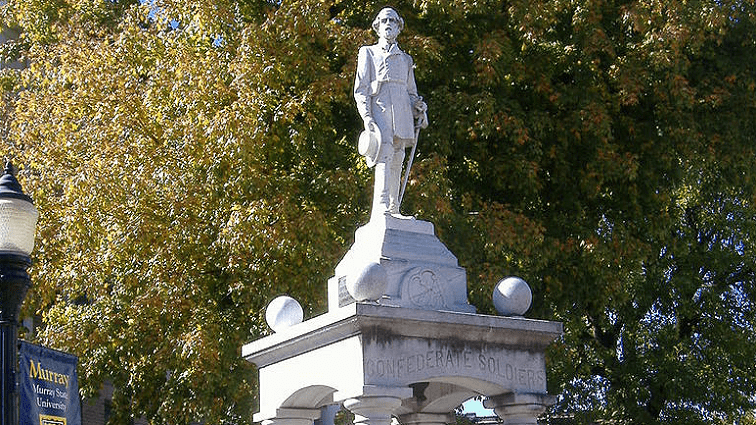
<point x="18" y="220"/>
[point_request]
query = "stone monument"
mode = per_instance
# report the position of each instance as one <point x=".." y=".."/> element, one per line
<point x="400" y="339"/>
<point x="391" y="110"/>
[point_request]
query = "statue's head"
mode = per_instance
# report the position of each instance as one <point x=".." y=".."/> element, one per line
<point x="388" y="24"/>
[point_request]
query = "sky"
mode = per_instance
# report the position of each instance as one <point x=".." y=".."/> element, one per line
<point x="476" y="406"/>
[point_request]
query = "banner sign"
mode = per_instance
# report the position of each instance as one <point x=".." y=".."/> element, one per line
<point x="48" y="387"/>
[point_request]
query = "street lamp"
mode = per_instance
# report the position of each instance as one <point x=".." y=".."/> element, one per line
<point x="18" y="220"/>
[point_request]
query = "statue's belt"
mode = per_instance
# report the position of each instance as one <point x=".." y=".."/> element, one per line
<point x="375" y="86"/>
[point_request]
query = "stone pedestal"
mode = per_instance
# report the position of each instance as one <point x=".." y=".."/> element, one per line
<point x="376" y="408"/>
<point x="518" y="408"/>
<point x="422" y="272"/>
<point x="414" y="352"/>
<point x="419" y="365"/>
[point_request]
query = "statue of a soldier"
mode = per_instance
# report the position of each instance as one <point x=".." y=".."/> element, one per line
<point x="391" y="109"/>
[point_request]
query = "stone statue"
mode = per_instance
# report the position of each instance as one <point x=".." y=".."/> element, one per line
<point x="391" y="109"/>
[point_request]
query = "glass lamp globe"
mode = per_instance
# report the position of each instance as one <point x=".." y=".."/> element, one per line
<point x="18" y="216"/>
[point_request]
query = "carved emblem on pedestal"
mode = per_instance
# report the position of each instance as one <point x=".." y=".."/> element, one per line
<point x="424" y="289"/>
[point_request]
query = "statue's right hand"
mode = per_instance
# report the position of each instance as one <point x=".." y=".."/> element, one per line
<point x="369" y="124"/>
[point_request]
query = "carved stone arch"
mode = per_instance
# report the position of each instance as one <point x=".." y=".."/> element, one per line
<point x="445" y="393"/>
<point x="311" y="397"/>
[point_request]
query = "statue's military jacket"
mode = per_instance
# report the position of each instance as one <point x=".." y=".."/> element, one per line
<point x="385" y="90"/>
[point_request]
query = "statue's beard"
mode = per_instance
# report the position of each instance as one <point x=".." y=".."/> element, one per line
<point x="390" y="34"/>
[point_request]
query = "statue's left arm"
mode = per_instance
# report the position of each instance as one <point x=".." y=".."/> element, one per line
<point x="419" y="107"/>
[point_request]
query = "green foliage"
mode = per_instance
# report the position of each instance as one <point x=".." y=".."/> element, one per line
<point x="193" y="160"/>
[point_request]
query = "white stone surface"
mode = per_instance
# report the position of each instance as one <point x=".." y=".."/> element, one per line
<point x="421" y="272"/>
<point x="311" y="378"/>
<point x="367" y="283"/>
<point x="386" y="96"/>
<point x="512" y="297"/>
<point x="283" y="312"/>
<point x="431" y="360"/>
<point x="517" y="408"/>
<point x="483" y="367"/>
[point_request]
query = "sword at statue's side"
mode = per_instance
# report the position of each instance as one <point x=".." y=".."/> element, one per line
<point x="409" y="165"/>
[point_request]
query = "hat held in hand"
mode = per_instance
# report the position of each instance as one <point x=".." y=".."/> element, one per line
<point x="368" y="145"/>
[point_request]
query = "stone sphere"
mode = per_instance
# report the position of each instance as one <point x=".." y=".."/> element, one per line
<point x="368" y="283"/>
<point x="283" y="312"/>
<point x="512" y="297"/>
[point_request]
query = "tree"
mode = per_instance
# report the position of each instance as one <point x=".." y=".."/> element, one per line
<point x="192" y="161"/>
<point x="178" y="197"/>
